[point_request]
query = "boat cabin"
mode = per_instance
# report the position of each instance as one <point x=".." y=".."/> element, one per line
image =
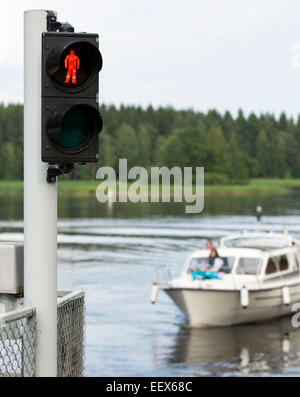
<point x="265" y="257"/>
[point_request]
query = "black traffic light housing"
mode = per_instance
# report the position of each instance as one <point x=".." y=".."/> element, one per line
<point x="71" y="120"/>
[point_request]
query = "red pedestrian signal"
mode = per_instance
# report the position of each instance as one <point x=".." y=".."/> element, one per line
<point x="72" y="64"/>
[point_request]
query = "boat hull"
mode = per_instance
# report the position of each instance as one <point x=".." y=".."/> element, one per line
<point x="204" y="307"/>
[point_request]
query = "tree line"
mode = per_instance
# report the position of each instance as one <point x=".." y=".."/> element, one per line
<point x="232" y="149"/>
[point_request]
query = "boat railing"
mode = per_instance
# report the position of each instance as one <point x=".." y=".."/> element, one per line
<point x="163" y="275"/>
<point x="276" y="236"/>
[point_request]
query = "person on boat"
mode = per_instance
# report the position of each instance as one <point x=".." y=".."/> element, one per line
<point x="209" y="245"/>
<point x="215" y="261"/>
<point x="215" y="264"/>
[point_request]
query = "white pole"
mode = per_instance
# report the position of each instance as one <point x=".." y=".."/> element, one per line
<point x="40" y="206"/>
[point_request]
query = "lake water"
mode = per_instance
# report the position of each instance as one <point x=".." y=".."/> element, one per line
<point x="111" y="254"/>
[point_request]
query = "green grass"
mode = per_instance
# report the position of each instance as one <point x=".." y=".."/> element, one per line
<point x="77" y="187"/>
<point x="257" y="186"/>
<point x="86" y="188"/>
<point x="11" y="187"/>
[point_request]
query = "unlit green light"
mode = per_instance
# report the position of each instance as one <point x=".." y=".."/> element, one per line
<point x="75" y="129"/>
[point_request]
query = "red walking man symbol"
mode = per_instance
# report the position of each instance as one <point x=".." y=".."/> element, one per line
<point x="71" y="64"/>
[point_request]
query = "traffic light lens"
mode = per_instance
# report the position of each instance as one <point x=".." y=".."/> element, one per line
<point x="73" y="67"/>
<point x="76" y="129"/>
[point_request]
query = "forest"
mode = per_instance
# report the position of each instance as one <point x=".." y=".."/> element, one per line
<point x="232" y="149"/>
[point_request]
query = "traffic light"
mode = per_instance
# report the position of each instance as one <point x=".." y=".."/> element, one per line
<point x="71" y="120"/>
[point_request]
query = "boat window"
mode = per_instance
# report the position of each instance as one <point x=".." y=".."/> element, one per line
<point x="228" y="263"/>
<point x="198" y="264"/>
<point x="203" y="263"/>
<point x="277" y="264"/>
<point x="249" y="266"/>
<point x="271" y="266"/>
<point x="283" y="263"/>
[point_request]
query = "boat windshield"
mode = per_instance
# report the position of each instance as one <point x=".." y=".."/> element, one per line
<point x="202" y="263"/>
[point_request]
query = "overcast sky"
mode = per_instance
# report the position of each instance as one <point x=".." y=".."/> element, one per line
<point x="201" y="54"/>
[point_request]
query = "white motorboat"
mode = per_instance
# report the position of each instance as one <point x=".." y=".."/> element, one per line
<point x="259" y="280"/>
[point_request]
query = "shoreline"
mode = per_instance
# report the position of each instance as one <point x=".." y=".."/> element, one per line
<point x="87" y="188"/>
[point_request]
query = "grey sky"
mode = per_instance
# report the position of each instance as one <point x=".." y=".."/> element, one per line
<point x="223" y="54"/>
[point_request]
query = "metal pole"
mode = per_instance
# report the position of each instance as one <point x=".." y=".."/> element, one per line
<point x="40" y="206"/>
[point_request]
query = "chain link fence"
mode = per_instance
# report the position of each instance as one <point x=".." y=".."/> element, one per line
<point x="18" y="331"/>
<point x="17" y="343"/>
<point x="70" y="334"/>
